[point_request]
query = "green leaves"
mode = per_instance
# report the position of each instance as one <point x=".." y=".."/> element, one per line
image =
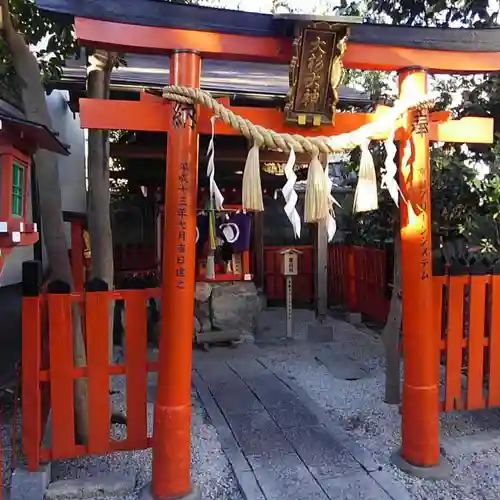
<point x="50" y="35"/>
<point x="464" y="201"/>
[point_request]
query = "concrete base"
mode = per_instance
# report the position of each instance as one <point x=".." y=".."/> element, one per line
<point x="354" y="318"/>
<point x="440" y="472"/>
<point x="110" y="485"/>
<point x="317" y="332"/>
<point x="30" y="485"/>
<point x="146" y="494"/>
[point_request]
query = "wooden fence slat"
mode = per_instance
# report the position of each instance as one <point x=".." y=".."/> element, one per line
<point x="454" y="340"/>
<point x="477" y="319"/>
<point x="61" y="369"/>
<point x="439" y="282"/>
<point x="494" y="373"/>
<point x="351" y="292"/>
<point x="136" y="365"/>
<point x="31" y="392"/>
<point x="97" y="313"/>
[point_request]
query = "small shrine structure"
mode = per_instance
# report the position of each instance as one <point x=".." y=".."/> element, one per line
<point x="19" y="140"/>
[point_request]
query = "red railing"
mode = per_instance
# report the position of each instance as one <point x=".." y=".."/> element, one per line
<point x="48" y="382"/>
<point x="357" y="280"/>
<point x="467" y="322"/>
<point x="303" y="283"/>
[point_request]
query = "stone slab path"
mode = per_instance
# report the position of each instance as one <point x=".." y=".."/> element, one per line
<point x="281" y="445"/>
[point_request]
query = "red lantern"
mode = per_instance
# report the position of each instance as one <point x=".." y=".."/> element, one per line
<point x="19" y="139"/>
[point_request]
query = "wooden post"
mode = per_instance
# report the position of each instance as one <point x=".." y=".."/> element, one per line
<point x="31" y="331"/>
<point x="77" y="263"/>
<point x="420" y="412"/>
<point x="172" y="422"/>
<point x="289" y="306"/>
<point x="258" y="250"/>
<point x="352" y="296"/>
<point x="321" y="271"/>
<point x="321" y="264"/>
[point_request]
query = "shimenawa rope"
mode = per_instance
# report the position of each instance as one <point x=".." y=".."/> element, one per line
<point x="318" y="201"/>
<point x="268" y="138"/>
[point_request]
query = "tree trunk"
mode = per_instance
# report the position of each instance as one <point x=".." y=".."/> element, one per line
<point x="47" y="178"/>
<point x="99" y="199"/>
<point x="99" y="216"/>
<point x="392" y="330"/>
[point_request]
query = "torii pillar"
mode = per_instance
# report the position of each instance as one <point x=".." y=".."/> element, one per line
<point x="172" y="414"/>
<point x="420" y="452"/>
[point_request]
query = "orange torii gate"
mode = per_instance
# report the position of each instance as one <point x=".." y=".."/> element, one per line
<point x="189" y="34"/>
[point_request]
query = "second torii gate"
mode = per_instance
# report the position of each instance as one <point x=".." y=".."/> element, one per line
<point x="253" y="37"/>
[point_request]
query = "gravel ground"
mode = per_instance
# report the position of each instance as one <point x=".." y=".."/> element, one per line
<point x="210" y="469"/>
<point x="6" y="432"/>
<point x="471" y="439"/>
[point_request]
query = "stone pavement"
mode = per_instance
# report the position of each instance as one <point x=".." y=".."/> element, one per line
<point x="281" y="445"/>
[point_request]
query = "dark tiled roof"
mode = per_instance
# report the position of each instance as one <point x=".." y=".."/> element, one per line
<point x="163" y="13"/>
<point x="36" y="134"/>
<point x="223" y="76"/>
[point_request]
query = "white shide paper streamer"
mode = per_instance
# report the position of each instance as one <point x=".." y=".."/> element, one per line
<point x="215" y="193"/>
<point x="331" y="223"/>
<point x="291" y="196"/>
<point x="388" y="180"/>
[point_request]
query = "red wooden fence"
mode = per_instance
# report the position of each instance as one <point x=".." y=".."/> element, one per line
<point x="357" y="278"/>
<point x="60" y="374"/>
<point x="467" y="323"/>
<point x="467" y="329"/>
<point x="303" y="283"/>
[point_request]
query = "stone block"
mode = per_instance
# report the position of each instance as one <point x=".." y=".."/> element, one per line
<point x="354" y="487"/>
<point x="236" y="306"/>
<point x="286" y="478"/>
<point x="146" y="494"/>
<point x="317" y="332"/>
<point x="103" y="487"/>
<point x="322" y="454"/>
<point x="354" y="318"/>
<point x="30" y="485"/>
<point x="342" y="367"/>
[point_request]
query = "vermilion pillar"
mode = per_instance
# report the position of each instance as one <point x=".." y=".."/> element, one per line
<point x="420" y="412"/>
<point x="172" y="416"/>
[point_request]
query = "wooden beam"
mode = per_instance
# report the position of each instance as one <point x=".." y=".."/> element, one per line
<point x="470" y="130"/>
<point x="278" y="50"/>
<point x="154" y="115"/>
<point x="105" y="114"/>
<point x="222" y="154"/>
<point x="150" y="40"/>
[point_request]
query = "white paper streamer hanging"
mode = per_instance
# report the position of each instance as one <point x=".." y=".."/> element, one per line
<point x="388" y="180"/>
<point x="215" y="193"/>
<point x="331" y="223"/>
<point x="290" y="195"/>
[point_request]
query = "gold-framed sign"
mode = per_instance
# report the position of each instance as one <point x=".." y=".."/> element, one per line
<point x="316" y="72"/>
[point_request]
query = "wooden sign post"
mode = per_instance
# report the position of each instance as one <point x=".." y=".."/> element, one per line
<point x="289" y="269"/>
